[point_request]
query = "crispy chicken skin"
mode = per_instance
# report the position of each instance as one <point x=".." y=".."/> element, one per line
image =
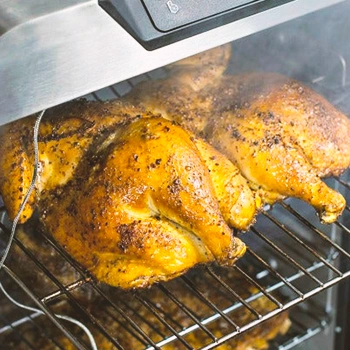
<point x="282" y="136"/>
<point x="134" y="199"/>
<point x="143" y="208"/>
<point x="237" y="203"/>
<point x="67" y="132"/>
<point x="65" y="135"/>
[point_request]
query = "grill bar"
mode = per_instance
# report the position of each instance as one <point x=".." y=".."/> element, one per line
<point x="19" y="322"/>
<point x="43" y="331"/>
<point x="304" y="245"/>
<point x="69" y="288"/>
<point x="159" y="317"/>
<point x="209" y="303"/>
<point x="257" y="285"/>
<point x="344" y="228"/>
<point x="126" y="317"/>
<point x="65" y="291"/>
<point x="287" y="257"/>
<point x="127" y="328"/>
<point x="274" y="272"/>
<point x="304" y="329"/>
<point x="324" y="263"/>
<point x="234" y="294"/>
<point x="18" y="334"/>
<point x="187" y="311"/>
<point x="266" y="292"/>
<point x="66" y="257"/>
<point x="344" y="183"/>
<point x="79" y="344"/>
<point x="315" y="229"/>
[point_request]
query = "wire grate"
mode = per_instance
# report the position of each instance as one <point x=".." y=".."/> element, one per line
<point x="291" y="257"/>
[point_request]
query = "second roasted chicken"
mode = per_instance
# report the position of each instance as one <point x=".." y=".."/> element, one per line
<point x="282" y="136"/>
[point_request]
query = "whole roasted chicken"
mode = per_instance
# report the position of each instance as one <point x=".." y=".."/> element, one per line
<point x="282" y="136"/>
<point x="133" y="197"/>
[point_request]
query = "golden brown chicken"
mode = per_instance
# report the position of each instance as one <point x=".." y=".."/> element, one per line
<point x="134" y="199"/>
<point x="282" y="135"/>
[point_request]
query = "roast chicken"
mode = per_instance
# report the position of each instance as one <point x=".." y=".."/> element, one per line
<point x="282" y="136"/>
<point x="133" y="197"/>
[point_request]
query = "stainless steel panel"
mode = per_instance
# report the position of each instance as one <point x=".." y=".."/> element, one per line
<point x="16" y="12"/>
<point x="67" y="54"/>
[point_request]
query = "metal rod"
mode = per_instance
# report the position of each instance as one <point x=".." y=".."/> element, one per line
<point x="126" y="317"/>
<point x="234" y="294"/>
<point x="66" y="292"/>
<point x="137" y="315"/>
<point x="162" y="312"/>
<point x="69" y="287"/>
<point x="44" y="308"/>
<point x="302" y="243"/>
<point x="209" y="303"/>
<point x="315" y="229"/>
<point x="345" y="184"/>
<point x="19" y="322"/>
<point x="126" y="326"/>
<point x="154" y="311"/>
<point x="186" y="310"/>
<point x="344" y="228"/>
<point x="256" y="296"/>
<point x="257" y="285"/>
<point x="288" y="305"/>
<point x="286" y="256"/>
<point x="18" y="334"/>
<point x="311" y="332"/>
<point x="274" y="272"/>
<point x="85" y="275"/>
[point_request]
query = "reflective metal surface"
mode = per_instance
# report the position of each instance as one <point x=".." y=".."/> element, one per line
<point x="69" y="53"/>
<point x="17" y="12"/>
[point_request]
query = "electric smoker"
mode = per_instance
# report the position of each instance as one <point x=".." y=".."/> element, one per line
<point x="54" y="52"/>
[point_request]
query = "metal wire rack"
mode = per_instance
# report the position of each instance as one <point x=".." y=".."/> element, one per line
<point x="291" y="257"/>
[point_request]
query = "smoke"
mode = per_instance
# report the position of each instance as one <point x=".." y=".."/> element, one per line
<point x="314" y="49"/>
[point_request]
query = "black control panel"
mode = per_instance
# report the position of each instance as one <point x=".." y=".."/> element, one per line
<point x="156" y="23"/>
<point x="172" y="14"/>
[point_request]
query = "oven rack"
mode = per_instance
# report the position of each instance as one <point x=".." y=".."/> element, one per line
<point x="307" y="320"/>
<point x="291" y="257"/>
